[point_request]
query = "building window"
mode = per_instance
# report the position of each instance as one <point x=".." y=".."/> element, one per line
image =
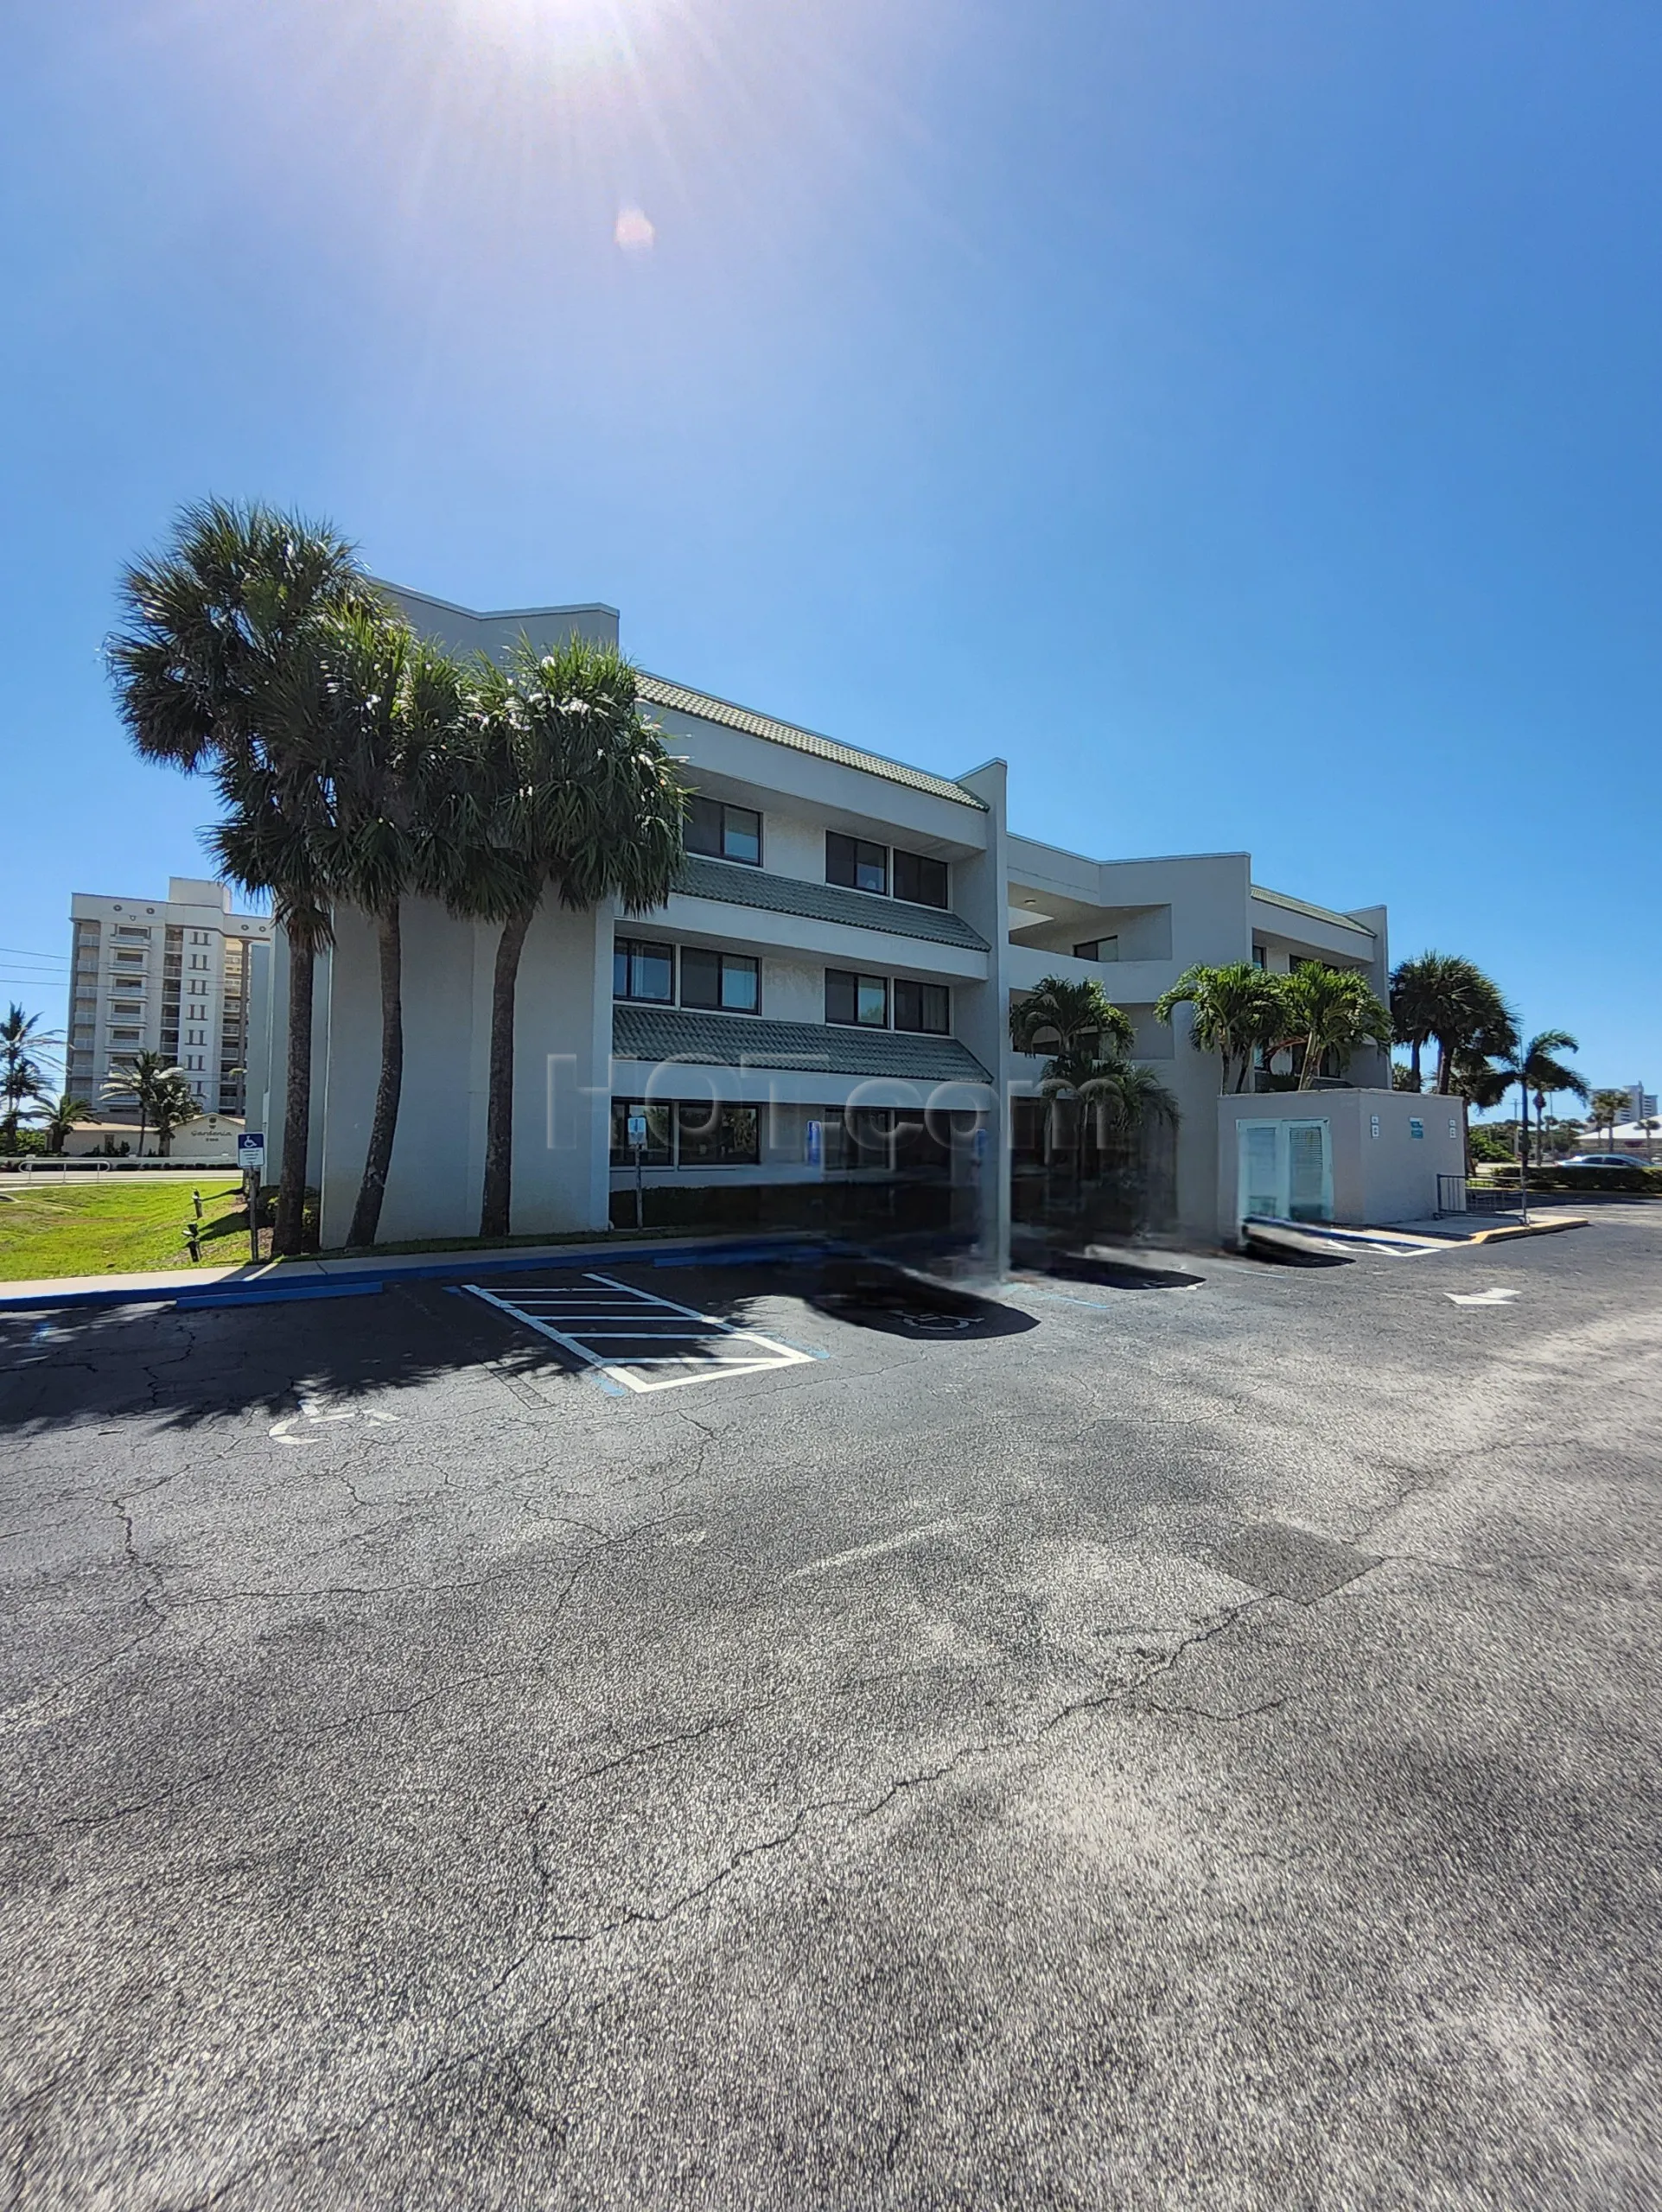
<point x="717" y="1136"/>
<point x="659" y="1150"/>
<point x="919" y="881"/>
<point x="855" y="864"/>
<point x="121" y="930"/>
<point x="728" y="980"/>
<point x="1099" y="948"/>
<point x="923" y="1006"/>
<point x="130" y="959"/>
<point x="859" y="1001"/>
<point x="685" y="1134"/>
<point x="643" y="971"/>
<point x="126" y="1036"/>
<point x="1260" y="957"/>
<point x="725" y="832"/>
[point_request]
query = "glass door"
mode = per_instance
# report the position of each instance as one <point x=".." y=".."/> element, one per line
<point x="1285" y="1171"/>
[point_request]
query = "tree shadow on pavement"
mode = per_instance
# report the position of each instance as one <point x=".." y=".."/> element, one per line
<point x="182" y="1367"/>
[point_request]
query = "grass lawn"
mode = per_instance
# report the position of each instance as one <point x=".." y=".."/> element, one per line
<point x="116" y="1229"/>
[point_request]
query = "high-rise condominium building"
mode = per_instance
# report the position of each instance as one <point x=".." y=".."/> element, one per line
<point x="167" y="975"/>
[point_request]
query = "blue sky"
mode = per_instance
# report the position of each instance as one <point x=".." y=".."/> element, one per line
<point x="1244" y="419"/>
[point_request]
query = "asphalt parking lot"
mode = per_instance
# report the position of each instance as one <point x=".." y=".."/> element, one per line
<point x="1187" y="1741"/>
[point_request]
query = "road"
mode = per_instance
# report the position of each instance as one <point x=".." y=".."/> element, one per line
<point x="1188" y="1745"/>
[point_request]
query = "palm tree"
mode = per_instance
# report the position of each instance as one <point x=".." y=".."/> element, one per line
<point x="557" y="781"/>
<point x="1083" y="1021"/>
<point x="63" y="1113"/>
<point x="371" y="710"/>
<point x="1414" y="1000"/>
<point x="1540" y="1074"/>
<point x="1238" y="1009"/>
<point x="1607" y="1108"/>
<point x="1330" y="1010"/>
<point x="1081" y="1018"/>
<point x="142" y="1082"/>
<point x="22" y="1079"/>
<point x="213" y="622"/>
<point x="1444" y="996"/>
<point x="1129" y="1100"/>
<point x="1474" y="1078"/>
<point x="172" y="1108"/>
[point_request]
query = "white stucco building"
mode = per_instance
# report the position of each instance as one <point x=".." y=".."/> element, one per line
<point x="825" y="997"/>
<point x="167" y="975"/>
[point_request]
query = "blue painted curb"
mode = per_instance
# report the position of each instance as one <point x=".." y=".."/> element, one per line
<point x="459" y="1267"/>
<point x="289" y="1293"/>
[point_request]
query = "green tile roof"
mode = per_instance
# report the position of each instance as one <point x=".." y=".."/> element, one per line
<point x="821" y="902"/>
<point x="732" y="1041"/>
<point x="658" y="692"/>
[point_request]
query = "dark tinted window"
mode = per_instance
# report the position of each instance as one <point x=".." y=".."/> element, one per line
<point x="862" y="1000"/>
<point x="852" y="862"/>
<point x="728" y="980"/>
<point x="642" y="971"/>
<point x="726" y="833"/>
<point x="921" y="881"/>
<point x="659" y="1130"/>
<point x="922" y="1007"/>
<point x="703" y="826"/>
<point x="725" y="1136"/>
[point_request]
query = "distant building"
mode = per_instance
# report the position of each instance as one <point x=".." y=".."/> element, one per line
<point x="167" y="975"/>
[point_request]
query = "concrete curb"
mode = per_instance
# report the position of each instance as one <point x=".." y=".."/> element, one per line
<point x="1505" y="1234"/>
<point x="290" y="1281"/>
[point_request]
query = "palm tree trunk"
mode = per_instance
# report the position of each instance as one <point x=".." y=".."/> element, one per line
<point x="288" y="1232"/>
<point x="1442" y="1067"/>
<point x="494" y="1208"/>
<point x="366" y="1214"/>
<point x="143" y="1124"/>
<point x="1414" y="1061"/>
<point x="1310" y="1061"/>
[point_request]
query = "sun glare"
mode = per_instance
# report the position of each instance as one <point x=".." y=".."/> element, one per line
<point x="569" y="32"/>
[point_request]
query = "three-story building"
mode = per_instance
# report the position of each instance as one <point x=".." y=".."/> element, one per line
<point x="824" y="998"/>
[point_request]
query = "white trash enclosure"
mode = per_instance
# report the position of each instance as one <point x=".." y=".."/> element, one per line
<point x="636" y="1339"/>
<point x="1359" y="1158"/>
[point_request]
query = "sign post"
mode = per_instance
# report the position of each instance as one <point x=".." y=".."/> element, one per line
<point x="251" y="1158"/>
<point x="638" y="1146"/>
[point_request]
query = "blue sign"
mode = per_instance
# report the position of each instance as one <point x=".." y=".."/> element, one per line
<point x="1415" y="1128"/>
<point x="250" y="1152"/>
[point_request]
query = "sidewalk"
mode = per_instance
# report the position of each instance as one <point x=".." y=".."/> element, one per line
<point x="1488" y="1228"/>
<point x="284" y="1281"/>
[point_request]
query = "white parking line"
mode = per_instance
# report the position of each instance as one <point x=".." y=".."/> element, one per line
<point x="581" y="1320"/>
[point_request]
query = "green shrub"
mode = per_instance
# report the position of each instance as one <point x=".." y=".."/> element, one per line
<point x="1638" y="1178"/>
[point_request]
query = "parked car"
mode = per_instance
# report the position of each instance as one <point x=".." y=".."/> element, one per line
<point x="1601" y="1159"/>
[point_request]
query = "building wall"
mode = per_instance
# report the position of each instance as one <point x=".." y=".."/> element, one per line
<point x="564" y="1074"/>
